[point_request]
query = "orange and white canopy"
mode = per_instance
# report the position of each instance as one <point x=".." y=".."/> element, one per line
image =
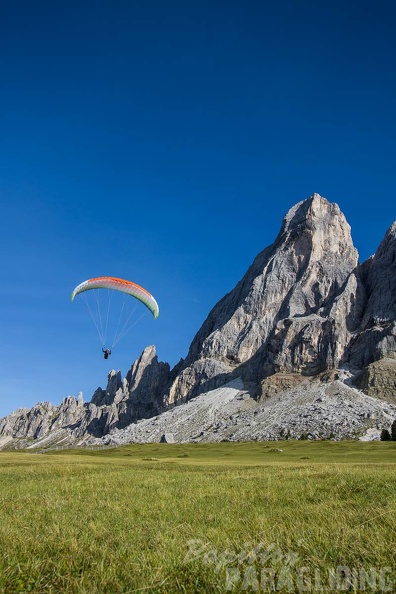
<point x="119" y="284"/>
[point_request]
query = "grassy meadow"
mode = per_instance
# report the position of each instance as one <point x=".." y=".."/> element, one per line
<point x="169" y="518"/>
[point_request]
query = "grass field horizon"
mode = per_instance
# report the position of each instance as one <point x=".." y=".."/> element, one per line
<point x="285" y="516"/>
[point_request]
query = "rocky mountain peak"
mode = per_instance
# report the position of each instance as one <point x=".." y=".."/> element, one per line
<point x="316" y="227"/>
<point x="391" y="231"/>
<point x="280" y="301"/>
<point x="304" y="309"/>
<point x="381" y="281"/>
<point x="376" y="336"/>
<point x="314" y="207"/>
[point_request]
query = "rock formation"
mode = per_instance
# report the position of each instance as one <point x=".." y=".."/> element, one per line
<point x="294" y="311"/>
<point x="376" y="333"/>
<point x="305" y="309"/>
<point x="379" y="380"/>
<point x="122" y="402"/>
<point x="314" y="409"/>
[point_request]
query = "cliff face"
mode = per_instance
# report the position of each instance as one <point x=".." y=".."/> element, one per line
<point x="293" y="311"/>
<point x="379" y="380"/>
<point x="122" y="402"/>
<point x="376" y="336"/>
<point x="304" y="307"/>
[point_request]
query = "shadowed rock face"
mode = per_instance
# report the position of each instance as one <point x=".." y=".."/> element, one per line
<point x="122" y="402"/>
<point x="379" y="380"/>
<point x="305" y="306"/>
<point x="377" y="331"/>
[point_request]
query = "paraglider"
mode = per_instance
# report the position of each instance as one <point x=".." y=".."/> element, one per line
<point x="106" y="352"/>
<point x="101" y="310"/>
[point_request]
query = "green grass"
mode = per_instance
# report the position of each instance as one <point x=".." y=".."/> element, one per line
<point x="122" y="520"/>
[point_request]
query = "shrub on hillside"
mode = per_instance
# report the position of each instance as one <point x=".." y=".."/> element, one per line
<point x="385" y="435"/>
<point x="393" y="431"/>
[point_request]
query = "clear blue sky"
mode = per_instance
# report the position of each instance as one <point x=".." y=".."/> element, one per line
<point x="163" y="142"/>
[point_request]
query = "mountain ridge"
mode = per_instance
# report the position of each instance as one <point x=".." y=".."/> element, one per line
<point x="305" y="307"/>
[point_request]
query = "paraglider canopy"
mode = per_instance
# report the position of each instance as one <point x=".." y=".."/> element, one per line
<point x="101" y="309"/>
<point x="119" y="284"/>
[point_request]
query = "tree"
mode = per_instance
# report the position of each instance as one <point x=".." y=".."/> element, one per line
<point x="385" y="435"/>
<point x="393" y="431"/>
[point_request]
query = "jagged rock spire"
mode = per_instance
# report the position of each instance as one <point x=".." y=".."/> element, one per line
<point x="298" y="276"/>
<point x="305" y="305"/>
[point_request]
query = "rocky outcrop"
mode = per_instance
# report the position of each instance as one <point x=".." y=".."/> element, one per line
<point x="379" y="380"/>
<point x="288" y="312"/>
<point x="122" y="402"/>
<point x="305" y="311"/>
<point x="314" y="409"/>
<point x="145" y="382"/>
<point x="303" y="307"/>
<point x="377" y="330"/>
<point x="109" y="395"/>
<point x="36" y="422"/>
<point x="278" y="383"/>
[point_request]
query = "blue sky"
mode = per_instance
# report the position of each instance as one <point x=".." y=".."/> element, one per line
<point x="163" y="143"/>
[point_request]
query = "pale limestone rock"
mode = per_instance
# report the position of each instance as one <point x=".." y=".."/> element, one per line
<point x="305" y="307"/>
<point x="143" y="388"/>
<point x="133" y="397"/>
<point x="308" y="407"/>
<point x="276" y="318"/>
